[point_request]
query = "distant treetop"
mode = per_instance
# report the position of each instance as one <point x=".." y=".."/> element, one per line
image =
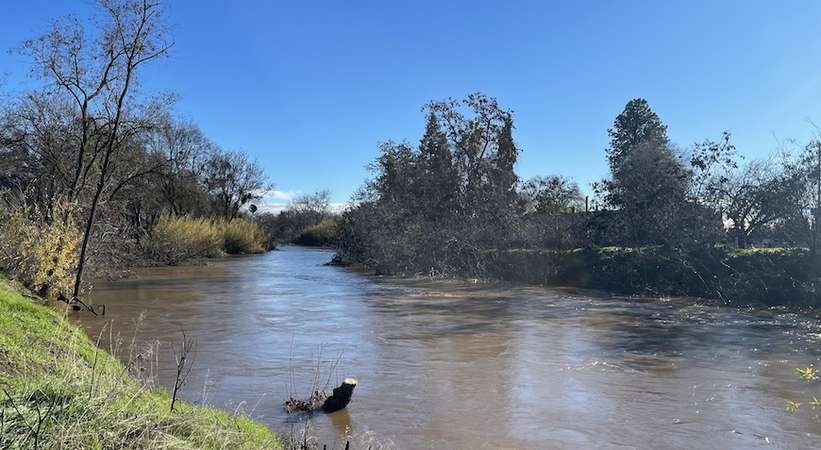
<point x="637" y="124"/>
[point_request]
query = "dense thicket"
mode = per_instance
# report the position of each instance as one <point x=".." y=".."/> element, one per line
<point x="440" y="206"/>
<point x="432" y="208"/>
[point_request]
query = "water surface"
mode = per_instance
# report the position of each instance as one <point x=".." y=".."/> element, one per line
<point x="446" y="364"/>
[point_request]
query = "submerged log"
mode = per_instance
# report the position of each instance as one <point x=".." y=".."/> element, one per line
<point x="320" y="400"/>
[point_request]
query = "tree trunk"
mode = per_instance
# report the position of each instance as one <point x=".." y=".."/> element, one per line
<point x="78" y="281"/>
<point x="740" y="238"/>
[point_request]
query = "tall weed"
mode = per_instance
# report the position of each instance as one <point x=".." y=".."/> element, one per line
<point x="176" y="239"/>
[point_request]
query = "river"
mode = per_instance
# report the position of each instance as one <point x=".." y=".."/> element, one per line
<point x="451" y="364"/>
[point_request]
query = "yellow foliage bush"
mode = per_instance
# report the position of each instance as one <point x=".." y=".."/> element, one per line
<point x="40" y="253"/>
<point x="243" y="235"/>
<point x="175" y="239"/>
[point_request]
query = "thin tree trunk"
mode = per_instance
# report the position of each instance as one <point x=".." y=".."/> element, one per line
<point x="78" y="281"/>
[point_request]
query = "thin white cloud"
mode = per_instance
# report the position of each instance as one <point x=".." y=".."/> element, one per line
<point x="276" y="208"/>
<point x="340" y="207"/>
<point x="277" y="195"/>
<point x="276" y="201"/>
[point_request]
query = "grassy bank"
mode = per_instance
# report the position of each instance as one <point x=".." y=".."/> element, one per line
<point x="767" y="276"/>
<point x="60" y="391"/>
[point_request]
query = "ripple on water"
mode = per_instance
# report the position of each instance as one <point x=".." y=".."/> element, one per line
<point x="447" y="364"/>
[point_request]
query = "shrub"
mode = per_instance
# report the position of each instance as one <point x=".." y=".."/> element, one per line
<point x="773" y="277"/>
<point x="243" y="236"/>
<point x="175" y="239"/>
<point x="38" y="249"/>
<point x="323" y="234"/>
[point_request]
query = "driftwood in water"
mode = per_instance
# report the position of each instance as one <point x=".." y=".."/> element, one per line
<point x="320" y="400"/>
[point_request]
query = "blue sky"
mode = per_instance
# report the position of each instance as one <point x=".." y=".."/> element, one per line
<point x="309" y="88"/>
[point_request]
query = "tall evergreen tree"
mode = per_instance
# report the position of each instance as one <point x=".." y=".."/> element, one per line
<point x="648" y="182"/>
<point x="506" y="155"/>
<point x="438" y="175"/>
<point x="503" y="177"/>
<point x="637" y="124"/>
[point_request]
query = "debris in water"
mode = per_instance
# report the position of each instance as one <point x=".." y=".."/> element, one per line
<point x="320" y="400"/>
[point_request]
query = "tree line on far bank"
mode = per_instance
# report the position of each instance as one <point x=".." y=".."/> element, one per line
<point x="96" y="173"/>
<point x="441" y="207"/>
<point x="308" y="220"/>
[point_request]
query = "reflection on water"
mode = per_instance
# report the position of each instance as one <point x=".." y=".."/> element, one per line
<point x="444" y="364"/>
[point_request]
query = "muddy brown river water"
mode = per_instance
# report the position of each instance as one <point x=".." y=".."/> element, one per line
<point x="446" y="364"/>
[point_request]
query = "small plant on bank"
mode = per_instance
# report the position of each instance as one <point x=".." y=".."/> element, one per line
<point x="808" y="374"/>
<point x="184" y="364"/>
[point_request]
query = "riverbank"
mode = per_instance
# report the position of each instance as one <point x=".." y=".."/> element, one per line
<point x="62" y="391"/>
<point x="732" y="276"/>
<point x="749" y="276"/>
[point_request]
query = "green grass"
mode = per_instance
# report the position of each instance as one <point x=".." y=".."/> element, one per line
<point x="736" y="252"/>
<point x="53" y="375"/>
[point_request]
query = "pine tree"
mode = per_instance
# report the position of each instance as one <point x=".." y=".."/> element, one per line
<point x="637" y="124"/>
<point x="438" y="175"/>
<point x="505" y="160"/>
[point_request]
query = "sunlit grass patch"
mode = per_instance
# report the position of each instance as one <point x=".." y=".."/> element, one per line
<point x="59" y="390"/>
<point x="785" y="251"/>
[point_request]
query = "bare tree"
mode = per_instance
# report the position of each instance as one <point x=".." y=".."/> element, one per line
<point x="756" y="195"/>
<point x="232" y="180"/>
<point x="184" y="149"/>
<point x="812" y="162"/>
<point x="313" y="208"/>
<point x="99" y="76"/>
<point x="551" y="194"/>
<point x="805" y="221"/>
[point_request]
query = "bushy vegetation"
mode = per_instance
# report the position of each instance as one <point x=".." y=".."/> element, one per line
<point x="242" y="236"/>
<point x="308" y="220"/>
<point x="779" y="276"/>
<point x="60" y="391"/>
<point x="434" y="207"/>
<point x="323" y="234"/>
<point x="87" y="137"/>
<point x="176" y="239"/>
<point x="453" y="205"/>
<point x="38" y="248"/>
